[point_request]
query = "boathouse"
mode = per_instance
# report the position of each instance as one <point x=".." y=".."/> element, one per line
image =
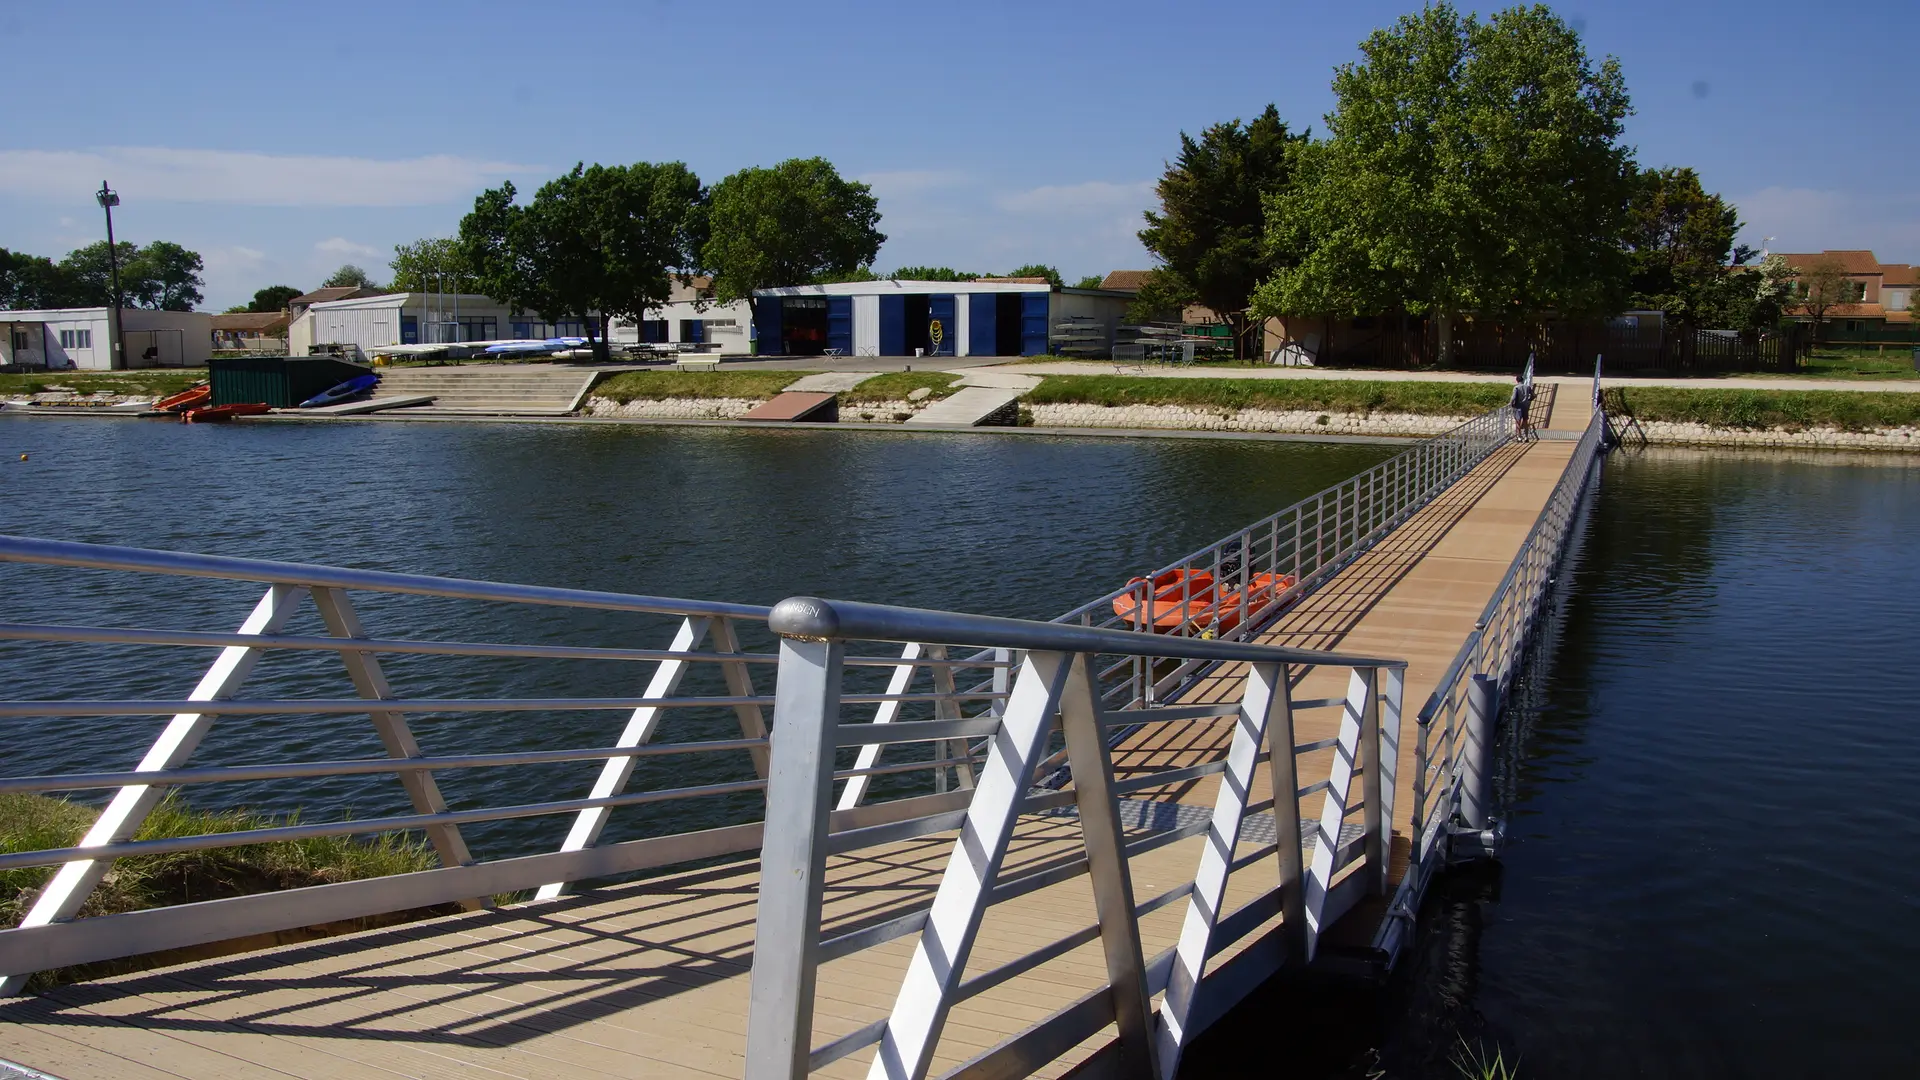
<point x="984" y="317"/>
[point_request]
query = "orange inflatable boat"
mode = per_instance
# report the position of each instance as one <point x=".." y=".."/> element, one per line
<point x="191" y="398"/>
<point x="215" y="413"/>
<point x="1186" y="598"/>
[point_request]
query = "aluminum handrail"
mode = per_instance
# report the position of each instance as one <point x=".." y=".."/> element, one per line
<point x="23" y="549"/>
<point x="813" y="619"/>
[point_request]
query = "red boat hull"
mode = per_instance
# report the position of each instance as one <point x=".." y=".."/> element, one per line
<point x="218" y="413"/>
<point x="1191" y="599"/>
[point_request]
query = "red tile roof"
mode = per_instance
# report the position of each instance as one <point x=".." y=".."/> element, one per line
<point x="1125" y="280"/>
<point x="1853" y="262"/>
<point x="1897" y="274"/>
<point x="260" y="322"/>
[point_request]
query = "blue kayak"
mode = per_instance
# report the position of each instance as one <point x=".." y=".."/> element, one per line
<point x="346" y="391"/>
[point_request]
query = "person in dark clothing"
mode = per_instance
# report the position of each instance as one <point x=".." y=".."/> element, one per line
<point x="1522" y="402"/>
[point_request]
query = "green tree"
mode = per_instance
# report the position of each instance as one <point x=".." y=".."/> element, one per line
<point x="599" y="242"/>
<point x="1682" y="255"/>
<point x="349" y="276"/>
<point x="1471" y="168"/>
<point x="1822" y="286"/>
<point x="164" y="276"/>
<point x="1210" y="233"/>
<point x="1091" y="281"/>
<point x="273" y="298"/>
<point x="1037" y="270"/>
<point x="431" y="264"/>
<point x="931" y="273"/>
<point x="792" y="224"/>
<point x="29" y="282"/>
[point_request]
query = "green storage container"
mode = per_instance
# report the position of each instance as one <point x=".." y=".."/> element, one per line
<point x="279" y="381"/>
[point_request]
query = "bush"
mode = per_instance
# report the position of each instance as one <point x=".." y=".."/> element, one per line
<point x="1793" y="410"/>
<point x="672" y="385"/>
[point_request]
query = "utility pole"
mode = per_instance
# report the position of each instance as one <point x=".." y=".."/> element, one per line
<point x="117" y="356"/>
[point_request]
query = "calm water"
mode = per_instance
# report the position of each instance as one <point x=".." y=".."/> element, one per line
<point x="1027" y="526"/>
<point x="1709" y="781"/>
<point x="1711" y="800"/>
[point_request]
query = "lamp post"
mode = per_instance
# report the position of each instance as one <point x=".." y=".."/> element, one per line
<point x="108" y="199"/>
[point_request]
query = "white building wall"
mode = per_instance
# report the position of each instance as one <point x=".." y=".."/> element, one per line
<point x="180" y="338"/>
<point x="866" y="325"/>
<point x="962" y="323"/>
<point x="1109" y="311"/>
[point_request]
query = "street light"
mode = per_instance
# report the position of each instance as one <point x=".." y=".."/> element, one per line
<point x="108" y="199"/>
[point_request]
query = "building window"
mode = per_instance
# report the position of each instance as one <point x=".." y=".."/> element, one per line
<point x="529" y="330"/>
<point x="21" y="342"/>
<point x="569" y="328"/>
<point x="76" y="339"/>
<point x="479" y="329"/>
<point x="653" y="331"/>
<point x="409" y="329"/>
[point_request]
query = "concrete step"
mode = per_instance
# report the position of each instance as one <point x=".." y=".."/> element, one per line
<point x="971" y="407"/>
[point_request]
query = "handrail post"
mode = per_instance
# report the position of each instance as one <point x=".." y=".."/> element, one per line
<point x="793" y="859"/>
<point x="1392" y="685"/>
<point x="1374" y="820"/>
<point x="1476" y="795"/>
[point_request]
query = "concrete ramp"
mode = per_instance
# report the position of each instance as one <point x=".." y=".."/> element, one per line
<point x="972" y="406"/>
<point x="376" y="404"/>
<point x="798" y="407"/>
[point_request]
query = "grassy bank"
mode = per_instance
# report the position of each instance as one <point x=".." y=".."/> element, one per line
<point x="132" y="383"/>
<point x="34" y="823"/>
<point x="1793" y="410"/>
<point x="668" y="385"/>
<point x="896" y="385"/>
<point x="1859" y="362"/>
<point x="1292" y="395"/>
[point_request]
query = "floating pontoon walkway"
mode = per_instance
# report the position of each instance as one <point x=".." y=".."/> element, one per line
<point x="656" y="979"/>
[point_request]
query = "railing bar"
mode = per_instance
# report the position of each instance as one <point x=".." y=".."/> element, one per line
<point x="854" y="839"/>
<point x="276" y="834"/>
<point x="852" y="1042"/>
<point x="330" y="706"/>
<point x="850" y="735"/>
<point x="357" y="767"/>
<point x="1318" y="703"/>
<point x="1168" y="714"/>
<point x="198" y="639"/>
<point x="910" y="766"/>
<point x="1251" y="857"/>
<point x="834" y="948"/>
<point x="1317" y="785"/>
<point x="1317" y="744"/>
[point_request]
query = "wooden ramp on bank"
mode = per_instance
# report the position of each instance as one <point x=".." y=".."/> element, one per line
<point x="651" y="979"/>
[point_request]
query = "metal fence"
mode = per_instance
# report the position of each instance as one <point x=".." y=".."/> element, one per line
<point x="1055" y="685"/>
<point x="1234" y="587"/>
<point x="1492" y="652"/>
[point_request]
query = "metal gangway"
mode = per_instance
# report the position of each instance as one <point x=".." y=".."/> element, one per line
<point x="859" y="838"/>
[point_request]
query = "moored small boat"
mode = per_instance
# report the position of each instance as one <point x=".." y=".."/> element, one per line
<point x="217" y="413"/>
<point x="346" y="391"/>
<point x="193" y="397"/>
<point x="1192" y="599"/>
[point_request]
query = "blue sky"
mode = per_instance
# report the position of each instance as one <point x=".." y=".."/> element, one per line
<point x="283" y="140"/>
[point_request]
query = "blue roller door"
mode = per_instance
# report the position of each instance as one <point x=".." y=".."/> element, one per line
<point x="893" y="326"/>
<point x="1033" y="323"/>
<point x="980" y="324"/>
<point x="766" y="326"/>
<point x="840" y="324"/>
<point x="940" y="310"/>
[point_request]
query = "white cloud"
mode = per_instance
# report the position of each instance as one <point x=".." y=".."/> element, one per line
<point x="253" y="179"/>
<point x="1090" y="197"/>
<point x="340" y="245"/>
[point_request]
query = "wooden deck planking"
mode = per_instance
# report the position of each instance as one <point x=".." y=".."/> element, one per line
<point x="651" y="979"/>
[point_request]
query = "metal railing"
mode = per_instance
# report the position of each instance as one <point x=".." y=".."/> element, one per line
<point x="703" y="677"/>
<point x="1491" y="652"/>
<point x="1055" y="685"/>
<point x="1233" y="588"/>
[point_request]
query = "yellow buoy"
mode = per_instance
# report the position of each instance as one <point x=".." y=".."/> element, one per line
<point x="23" y="457"/>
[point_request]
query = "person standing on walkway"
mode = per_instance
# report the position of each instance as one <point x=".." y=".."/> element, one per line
<point x="1522" y="402"/>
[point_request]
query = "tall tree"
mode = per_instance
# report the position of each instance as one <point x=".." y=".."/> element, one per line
<point x="1210" y="233"/>
<point x="273" y="298"/>
<point x="1039" y="270"/>
<point x="349" y="276"/>
<point x="1091" y="281"/>
<point x="1822" y="286"/>
<point x="931" y="273"/>
<point x="1680" y="243"/>
<point x="162" y="275"/>
<point x="1472" y="168"/>
<point x="597" y="243"/>
<point x="29" y="282"/>
<point x="165" y="277"/>
<point x="432" y="264"/>
<point x="792" y="224"/>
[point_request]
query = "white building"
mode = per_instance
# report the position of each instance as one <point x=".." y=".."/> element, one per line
<point x="82" y="338"/>
<point x="691" y="317"/>
<point x="364" y="324"/>
<point x="986" y="317"/>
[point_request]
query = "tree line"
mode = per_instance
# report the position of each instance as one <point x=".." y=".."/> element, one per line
<point x="1471" y="170"/>
<point x="161" y="275"/>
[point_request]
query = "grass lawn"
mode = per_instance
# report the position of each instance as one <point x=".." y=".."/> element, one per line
<point x="1794" y="410"/>
<point x="35" y="822"/>
<point x="156" y="382"/>
<point x="666" y="385"/>
<point x="896" y="385"/>
<point x="1859" y="362"/>
<point x="1327" y="395"/>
